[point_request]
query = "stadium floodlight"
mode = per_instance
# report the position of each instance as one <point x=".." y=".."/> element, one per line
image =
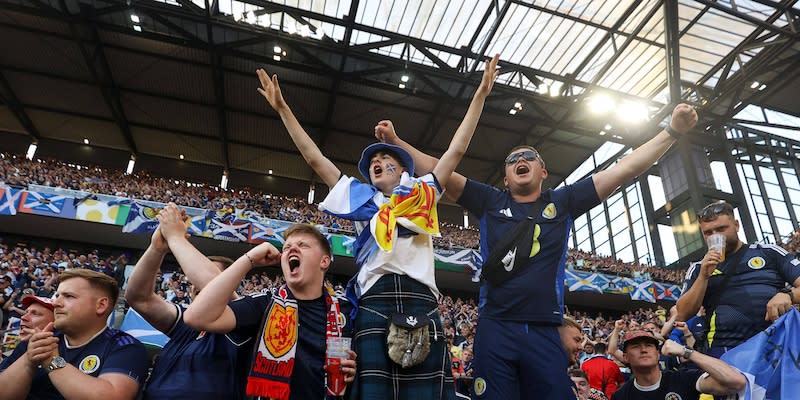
<point x="311" y="195"/>
<point x="135" y="18"/>
<point x="181" y="156"/>
<point x="131" y="163"/>
<point x="31" y="151"/>
<point x="404" y="78"/>
<point x="223" y="183"/>
<point x="466" y="220"/>
<point x="269" y="172"/>
<point x="601" y="103"/>
<point x="632" y="111"/>
<point x="85" y="140"/>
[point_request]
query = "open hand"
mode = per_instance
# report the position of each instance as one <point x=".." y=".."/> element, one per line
<point x="490" y="74"/>
<point x="271" y="90"/>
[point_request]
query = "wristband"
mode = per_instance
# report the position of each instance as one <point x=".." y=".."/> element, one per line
<point x="252" y="264"/>
<point x="672" y="132"/>
<point x="788" y="291"/>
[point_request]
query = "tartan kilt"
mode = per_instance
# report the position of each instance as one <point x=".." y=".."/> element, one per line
<point x="378" y="376"/>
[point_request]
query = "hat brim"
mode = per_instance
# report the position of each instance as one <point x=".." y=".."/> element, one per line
<point x="369" y="151"/>
<point x="30" y="299"/>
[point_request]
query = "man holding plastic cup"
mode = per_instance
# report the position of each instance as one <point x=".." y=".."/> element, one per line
<point x="301" y="331"/>
<point x="743" y="288"/>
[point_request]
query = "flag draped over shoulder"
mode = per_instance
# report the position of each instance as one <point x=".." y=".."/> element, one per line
<point x="412" y="205"/>
<point x="770" y="360"/>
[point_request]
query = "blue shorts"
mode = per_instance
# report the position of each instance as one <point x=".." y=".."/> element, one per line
<point x="517" y="360"/>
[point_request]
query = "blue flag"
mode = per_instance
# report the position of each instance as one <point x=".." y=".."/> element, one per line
<point x="770" y="360"/>
<point x="141" y="219"/>
<point x="135" y="325"/>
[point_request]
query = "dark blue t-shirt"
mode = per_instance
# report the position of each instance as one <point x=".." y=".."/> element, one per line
<point x="680" y="384"/>
<point x="308" y="379"/>
<point x="535" y="294"/>
<point x="197" y="365"/>
<point x="112" y="351"/>
<point x="763" y="270"/>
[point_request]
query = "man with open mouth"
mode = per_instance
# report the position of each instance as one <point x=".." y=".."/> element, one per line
<point x="517" y="347"/>
<point x="395" y="217"/>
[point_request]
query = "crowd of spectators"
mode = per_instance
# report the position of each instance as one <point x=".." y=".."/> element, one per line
<point x="17" y="171"/>
<point x="584" y="261"/>
<point x="792" y="244"/>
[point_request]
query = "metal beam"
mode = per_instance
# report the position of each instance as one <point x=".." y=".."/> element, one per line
<point x="12" y="101"/>
<point x="672" y="50"/>
<point x="218" y="80"/>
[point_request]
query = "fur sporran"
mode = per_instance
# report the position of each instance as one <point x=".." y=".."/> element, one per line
<point x="408" y="339"/>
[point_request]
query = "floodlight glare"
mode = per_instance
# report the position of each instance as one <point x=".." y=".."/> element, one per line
<point x="601" y="104"/>
<point x="631" y="111"/>
<point x="404" y="78"/>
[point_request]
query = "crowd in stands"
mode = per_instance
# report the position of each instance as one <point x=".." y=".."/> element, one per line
<point x="18" y="171"/>
<point x="792" y="245"/>
<point x="581" y="260"/>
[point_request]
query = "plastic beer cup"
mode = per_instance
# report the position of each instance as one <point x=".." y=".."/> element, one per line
<point x="336" y="352"/>
<point x="717" y="242"/>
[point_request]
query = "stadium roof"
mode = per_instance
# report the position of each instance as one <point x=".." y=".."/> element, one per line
<point x="176" y="77"/>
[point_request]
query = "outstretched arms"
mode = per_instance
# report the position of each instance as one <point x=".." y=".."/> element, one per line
<point x="458" y="145"/>
<point x="423" y="163"/>
<point x="606" y="182"/>
<point x="311" y="153"/>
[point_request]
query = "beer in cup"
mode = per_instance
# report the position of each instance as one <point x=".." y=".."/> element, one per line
<point x="335" y="353"/>
<point x="717" y="242"/>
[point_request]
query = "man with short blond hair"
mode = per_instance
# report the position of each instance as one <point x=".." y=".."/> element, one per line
<point x="86" y="359"/>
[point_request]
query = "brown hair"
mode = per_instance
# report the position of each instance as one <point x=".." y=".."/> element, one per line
<point x="96" y="280"/>
<point x="567" y="322"/>
<point x="311" y="230"/>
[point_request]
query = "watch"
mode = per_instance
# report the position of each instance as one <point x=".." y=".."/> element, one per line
<point x="687" y="352"/>
<point x="57" y="363"/>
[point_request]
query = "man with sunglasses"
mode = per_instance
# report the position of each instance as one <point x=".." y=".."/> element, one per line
<point x="518" y="352"/>
<point x="742" y="292"/>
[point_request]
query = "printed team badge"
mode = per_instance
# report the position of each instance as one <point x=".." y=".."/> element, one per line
<point x="549" y="211"/>
<point x="281" y="332"/>
<point x="756" y="263"/>
<point x="673" y="396"/>
<point x="480" y="386"/>
<point x="341" y="320"/>
<point x="89" y="364"/>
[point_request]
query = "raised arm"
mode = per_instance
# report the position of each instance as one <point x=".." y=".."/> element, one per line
<point x="692" y="299"/>
<point x="210" y="311"/>
<point x="423" y="163"/>
<point x="197" y="267"/>
<point x="722" y="379"/>
<point x="606" y="182"/>
<point x="140" y="293"/>
<point x="458" y="145"/>
<point x="311" y="153"/>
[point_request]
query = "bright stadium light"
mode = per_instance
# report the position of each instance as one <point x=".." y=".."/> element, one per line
<point x="466" y="220"/>
<point x="131" y="163"/>
<point x="632" y="111"/>
<point x="311" y="195"/>
<point x="223" y="183"/>
<point x="601" y="103"/>
<point x="31" y="151"/>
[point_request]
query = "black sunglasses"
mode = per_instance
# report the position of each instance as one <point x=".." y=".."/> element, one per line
<point x="528" y="155"/>
<point x="710" y="212"/>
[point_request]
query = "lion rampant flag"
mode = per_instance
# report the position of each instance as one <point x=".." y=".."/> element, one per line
<point x="413" y="206"/>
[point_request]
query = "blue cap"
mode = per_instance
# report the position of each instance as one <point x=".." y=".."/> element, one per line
<point x="366" y="155"/>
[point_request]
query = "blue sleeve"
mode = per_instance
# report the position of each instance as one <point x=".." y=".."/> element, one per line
<point x="18" y="352"/>
<point x="691" y="275"/>
<point x="249" y="310"/>
<point x="789" y="267"/>
<point x="129" y="357"/>
<point x="476" y="196"/>
<point x="677" y="336"/>
<point x="582" y="196"/>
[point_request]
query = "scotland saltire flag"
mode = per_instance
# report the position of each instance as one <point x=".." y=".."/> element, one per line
<point x="141" y="219"/>
<point x="9" y="197"/>
<point x="196" y="221"/>
<point x="237" y="231"/>
<point x="770" y="360"/>
<point x="267" y="230"/>
<point x="644" y="291"/>
<point x="50" y="205"/>
<point x="578" y="281"/>
<point x="136" y="326"/>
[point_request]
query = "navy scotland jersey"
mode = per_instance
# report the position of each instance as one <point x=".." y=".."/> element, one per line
<point x="308" y="377"/>
<point x="763" y="270"/>
<point x="536" y="294"/>
<point x="199" y="365"/>
<point x="674" y="385"/>
<point x="111" y="351"/>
